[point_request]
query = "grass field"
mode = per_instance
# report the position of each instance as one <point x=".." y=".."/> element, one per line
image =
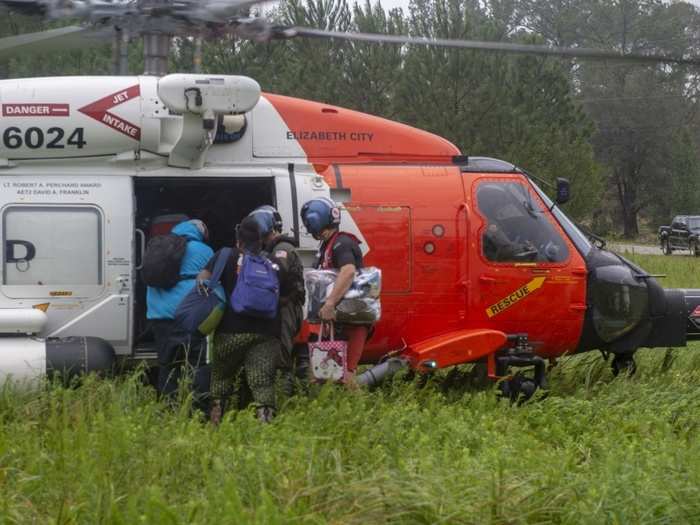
<point x="597" y="450"/>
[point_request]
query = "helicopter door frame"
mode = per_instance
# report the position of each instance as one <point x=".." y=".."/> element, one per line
<point x="286" y="198"/>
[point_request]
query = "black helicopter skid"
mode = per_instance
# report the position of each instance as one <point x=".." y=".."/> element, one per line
<point x="522" y="385"/>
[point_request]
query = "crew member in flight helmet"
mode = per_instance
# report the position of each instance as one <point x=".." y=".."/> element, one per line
<point x="340" y="251"/>
<point x="282" y="249"/>
<point x="497" y="245"/>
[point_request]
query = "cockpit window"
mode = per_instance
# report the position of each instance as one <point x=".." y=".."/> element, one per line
<point x="517" y="228"/>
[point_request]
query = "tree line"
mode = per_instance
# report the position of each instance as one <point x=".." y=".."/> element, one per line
<point x="625" y="134"/>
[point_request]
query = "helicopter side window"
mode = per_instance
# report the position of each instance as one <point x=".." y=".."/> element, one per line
<point x="47" y="245"/>
<point x="517" y="228"/>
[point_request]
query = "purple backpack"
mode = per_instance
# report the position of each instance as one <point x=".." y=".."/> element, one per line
<point x="257" y="289"/>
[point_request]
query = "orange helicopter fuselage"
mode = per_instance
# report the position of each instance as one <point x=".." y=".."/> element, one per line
<point x="416" y="208"/>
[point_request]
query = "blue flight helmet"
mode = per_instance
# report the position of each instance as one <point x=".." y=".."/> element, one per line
<point x="318" y="214"/>
<point x="268" y="219"/>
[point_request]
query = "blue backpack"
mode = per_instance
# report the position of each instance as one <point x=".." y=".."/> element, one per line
<point x="202" y="309"/>
<point x="257" y="289"/>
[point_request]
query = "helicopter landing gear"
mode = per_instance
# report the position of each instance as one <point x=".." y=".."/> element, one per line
<point x="518" y="388"/>
<point x="522" y="385"/>
<point x="623" y="363"/>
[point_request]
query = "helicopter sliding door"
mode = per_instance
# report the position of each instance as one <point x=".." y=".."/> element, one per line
<point x="67" y="247"/>
<point x="529" y="275"/>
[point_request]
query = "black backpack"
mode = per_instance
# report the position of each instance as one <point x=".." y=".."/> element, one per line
<point x="161" y="262"/>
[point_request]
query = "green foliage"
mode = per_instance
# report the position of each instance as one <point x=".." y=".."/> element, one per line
<point x="520" y="109"/>
<point x="517" y="108"/>
<point x="638" y="110"/>
<point x="95" y="59"/>
<point x="678" y="271"/>
<point x="597" y="450"/>
<point x="683" y="172"/>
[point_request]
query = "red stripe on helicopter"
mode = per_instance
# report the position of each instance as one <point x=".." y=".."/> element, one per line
<point x="98" y="110"/>
<point x="35" y="110"/>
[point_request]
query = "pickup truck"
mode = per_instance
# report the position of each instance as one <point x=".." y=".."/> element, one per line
<point x="683" y="234"/>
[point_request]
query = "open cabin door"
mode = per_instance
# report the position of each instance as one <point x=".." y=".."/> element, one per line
<point x="67" y="245"/>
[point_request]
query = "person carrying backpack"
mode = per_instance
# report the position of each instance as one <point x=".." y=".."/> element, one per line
<point x="247" y="337"/>
<point x="171" y="265"/>
<point x="340" y="251"/>
<point x="282" y="250"/>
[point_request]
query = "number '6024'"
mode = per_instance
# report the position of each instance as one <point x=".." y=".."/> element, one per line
<point x="35" y="138"/>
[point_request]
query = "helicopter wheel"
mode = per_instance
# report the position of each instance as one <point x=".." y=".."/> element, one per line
<point x="420" y="380"/>
<point x="518" y="388"/>
<point x="624" y="363"/>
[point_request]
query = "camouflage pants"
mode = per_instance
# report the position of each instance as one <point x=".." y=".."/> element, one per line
<point x="257" y="355"/>
<point x="291" y="317"/>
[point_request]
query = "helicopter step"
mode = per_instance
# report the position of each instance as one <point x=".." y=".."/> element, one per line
<point x="501" y="353"/>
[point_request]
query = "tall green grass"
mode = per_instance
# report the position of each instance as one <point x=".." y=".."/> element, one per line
<point x="598" y="449"/>
<point x="678" y="271"/>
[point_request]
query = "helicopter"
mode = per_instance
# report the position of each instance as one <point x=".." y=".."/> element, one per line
<point x="93" y="167"/>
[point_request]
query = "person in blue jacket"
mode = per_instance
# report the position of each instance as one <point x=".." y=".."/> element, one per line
<point x="174" y="345"/>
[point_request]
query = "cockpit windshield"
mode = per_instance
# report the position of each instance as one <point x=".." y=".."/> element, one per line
<point x="579" y="239"/>
<point x="517" y="229"/>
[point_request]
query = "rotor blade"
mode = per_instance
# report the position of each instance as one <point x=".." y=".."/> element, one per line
<point x="220" y="10"/>
<point x="26" y="7"/>
<point x="498" y="47"/>
<point x="61" y="39"/>
<point x="81" y="9"/>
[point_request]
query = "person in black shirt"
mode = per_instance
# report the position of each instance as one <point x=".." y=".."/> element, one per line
<point x="282" y="250"/>
<point x="340" y="251"/>
<point x="243" y="342"/>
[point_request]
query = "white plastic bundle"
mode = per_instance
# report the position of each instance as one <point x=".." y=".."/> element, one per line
<point x="361" y="303"/>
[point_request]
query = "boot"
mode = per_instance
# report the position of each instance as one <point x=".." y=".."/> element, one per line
<point x="265" y="414"/>
<point x="216" y="412"/>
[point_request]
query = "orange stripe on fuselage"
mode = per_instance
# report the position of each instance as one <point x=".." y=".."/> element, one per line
<point x="330" y="134"/>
